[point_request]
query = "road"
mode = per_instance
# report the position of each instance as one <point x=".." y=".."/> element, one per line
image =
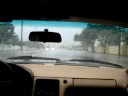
<point x="67" y="55"/>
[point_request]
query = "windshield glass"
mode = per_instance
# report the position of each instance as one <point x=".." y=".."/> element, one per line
<point x="80" y="41"/>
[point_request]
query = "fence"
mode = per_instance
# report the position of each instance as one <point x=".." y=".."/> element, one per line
<point x="113" y="50"/>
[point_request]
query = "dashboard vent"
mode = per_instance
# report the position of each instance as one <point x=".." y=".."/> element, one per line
<point x="46" y="87"/>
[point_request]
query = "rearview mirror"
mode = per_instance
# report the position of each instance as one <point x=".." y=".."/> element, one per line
<point x="45" y="36"/>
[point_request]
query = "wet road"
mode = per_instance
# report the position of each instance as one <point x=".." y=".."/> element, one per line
<point x="67" y="55"/>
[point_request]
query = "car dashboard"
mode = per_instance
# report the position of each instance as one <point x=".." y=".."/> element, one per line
<point x="64" y="80"/>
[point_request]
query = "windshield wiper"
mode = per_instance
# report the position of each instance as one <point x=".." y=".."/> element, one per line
<point x="33" y="57"/>
<point x="97" y="61"/>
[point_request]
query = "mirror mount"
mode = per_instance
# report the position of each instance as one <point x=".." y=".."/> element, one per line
<point x="45" y="30"/>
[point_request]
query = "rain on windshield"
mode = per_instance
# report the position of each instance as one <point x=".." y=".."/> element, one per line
<point x="79" y="41"/>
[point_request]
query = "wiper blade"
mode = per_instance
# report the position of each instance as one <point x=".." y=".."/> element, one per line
<point x="33" y="57"/>
<point x="98" y="61"/>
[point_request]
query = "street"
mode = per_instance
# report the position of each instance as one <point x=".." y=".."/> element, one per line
<point x="65" y="54"/>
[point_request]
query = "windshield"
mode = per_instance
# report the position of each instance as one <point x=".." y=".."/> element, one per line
<point x="80" y="41"/>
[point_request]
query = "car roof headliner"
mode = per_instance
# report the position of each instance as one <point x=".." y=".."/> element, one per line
<point x="67" y="10"/>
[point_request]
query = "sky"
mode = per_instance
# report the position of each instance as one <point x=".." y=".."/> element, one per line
<point x="66" y="29"/>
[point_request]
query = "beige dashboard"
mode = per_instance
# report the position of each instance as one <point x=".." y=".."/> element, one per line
<point x="79" y="75"/>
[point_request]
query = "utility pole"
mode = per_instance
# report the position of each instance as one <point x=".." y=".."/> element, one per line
<point x="21" y="35"/>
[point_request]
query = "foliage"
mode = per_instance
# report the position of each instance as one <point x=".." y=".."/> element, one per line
<point x="104" y="34"/>
<point x="124" y="35"/>
<point x="7" y="34"/>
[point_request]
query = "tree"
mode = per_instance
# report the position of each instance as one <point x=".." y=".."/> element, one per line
<point x="125" y="38"/>
<point x="104" y="34"/>
<point x="76" y="37"/>
<point x="104" y="38"/>
<point x="14" y="40"/>
<point x="87" y="37"/>
<point x="7" y="34"/>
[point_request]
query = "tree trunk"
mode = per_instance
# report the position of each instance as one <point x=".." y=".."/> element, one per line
<point x="104" y="49"/>
<point x="119" y="53"/>
<point x="93" y="49"/>
<point x="105" y="44"/>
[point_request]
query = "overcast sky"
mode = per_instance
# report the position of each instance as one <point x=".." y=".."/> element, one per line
<point x="66" y="29"/>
